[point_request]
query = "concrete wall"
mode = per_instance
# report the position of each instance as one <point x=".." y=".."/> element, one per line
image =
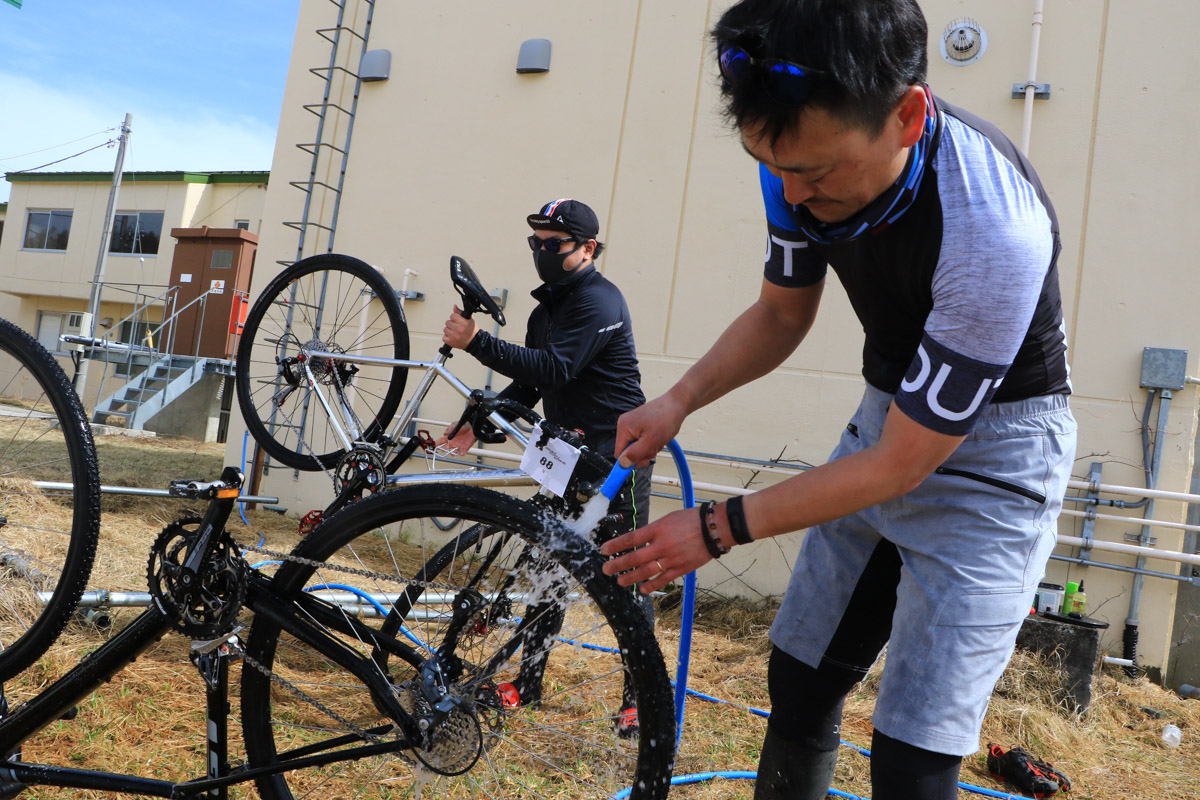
<point x="452" y="152"/>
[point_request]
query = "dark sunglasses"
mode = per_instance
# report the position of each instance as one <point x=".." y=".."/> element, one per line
<point x="786" y="81"/>
<point x="552" y="244"/>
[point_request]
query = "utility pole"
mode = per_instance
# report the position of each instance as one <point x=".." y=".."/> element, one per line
<point x="88" y="328"/>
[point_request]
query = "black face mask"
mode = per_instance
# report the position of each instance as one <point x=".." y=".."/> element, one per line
<point x="550" y="265"/>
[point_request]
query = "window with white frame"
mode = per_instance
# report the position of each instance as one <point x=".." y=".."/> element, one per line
<point x="47" y="230"/>
<point x="136" y="232"/>
<point x="242" y="224"/>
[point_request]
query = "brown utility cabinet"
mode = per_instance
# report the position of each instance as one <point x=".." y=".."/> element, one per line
<point x="220" y="259"/>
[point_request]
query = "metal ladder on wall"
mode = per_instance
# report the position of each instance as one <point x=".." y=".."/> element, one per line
<point x="343" y="37"/>
<point x="330" y="115"/>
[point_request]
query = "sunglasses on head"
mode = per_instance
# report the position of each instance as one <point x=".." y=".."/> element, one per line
<point x="785" y="81"/>
<point x="553" y="244"/>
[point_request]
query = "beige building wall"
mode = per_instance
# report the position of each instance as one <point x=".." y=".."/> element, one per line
<point x="454" y="149"/>
<point x="34" y="281"/>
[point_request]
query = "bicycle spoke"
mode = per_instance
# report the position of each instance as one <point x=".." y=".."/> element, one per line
<point x="496" y="608"/>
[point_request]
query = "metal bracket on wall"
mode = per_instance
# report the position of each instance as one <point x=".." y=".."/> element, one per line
<point x="410" y="294"/>
<point x="1041" y="91"/>
<point x="1089" y="521"/>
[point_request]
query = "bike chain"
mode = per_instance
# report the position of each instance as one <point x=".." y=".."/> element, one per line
<point x="314" y="702"/>
<point x="362" y="573"/>
<point x="342" y="393"/>
<point x="328" y="473"/>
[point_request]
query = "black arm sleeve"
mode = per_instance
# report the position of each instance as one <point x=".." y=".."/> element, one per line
<point x="579" y="333"/>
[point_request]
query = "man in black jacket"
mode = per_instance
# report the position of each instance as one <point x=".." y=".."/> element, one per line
<point x="579" y="359"/>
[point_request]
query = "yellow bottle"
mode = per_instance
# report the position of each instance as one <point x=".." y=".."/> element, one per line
<point x="1079" y="601"/>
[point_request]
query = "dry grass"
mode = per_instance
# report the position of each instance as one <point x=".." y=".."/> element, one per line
<point x="1113" y="751"/>
<point x="149" y="720"/>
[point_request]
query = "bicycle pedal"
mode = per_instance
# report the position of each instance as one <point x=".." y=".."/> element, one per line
<point x="509" y="696"/>
<point x="626" y="723"/>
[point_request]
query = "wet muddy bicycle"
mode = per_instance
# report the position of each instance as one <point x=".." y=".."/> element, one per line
<point x="364" y="672"/>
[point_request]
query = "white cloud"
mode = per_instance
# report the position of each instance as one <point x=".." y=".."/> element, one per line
<point x="200" y="139"/>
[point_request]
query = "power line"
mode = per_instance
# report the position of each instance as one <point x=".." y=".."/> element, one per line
<point x="109" y="143"/>
<point x="56" y="146"/>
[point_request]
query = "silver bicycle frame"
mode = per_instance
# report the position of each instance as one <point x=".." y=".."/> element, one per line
<point x="433" y="370"/>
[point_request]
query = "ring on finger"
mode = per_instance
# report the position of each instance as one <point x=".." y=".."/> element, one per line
<point x="660" y="566"/>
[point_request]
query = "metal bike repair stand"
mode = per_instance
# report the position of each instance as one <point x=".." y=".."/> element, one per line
<point x="212" y="658"/>
<point x="9" y="788"/>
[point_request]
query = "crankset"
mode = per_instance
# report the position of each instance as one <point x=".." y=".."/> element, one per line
<point x="203" y="604"/>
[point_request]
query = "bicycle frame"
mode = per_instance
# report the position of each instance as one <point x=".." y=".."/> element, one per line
<point x="57" y="700"/>
<point x="432" y="370"/>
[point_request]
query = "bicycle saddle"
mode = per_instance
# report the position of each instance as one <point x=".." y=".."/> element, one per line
<point x="474" y="296"/>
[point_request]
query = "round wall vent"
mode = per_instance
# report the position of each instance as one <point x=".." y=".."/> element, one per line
<point x="963" y="42"/>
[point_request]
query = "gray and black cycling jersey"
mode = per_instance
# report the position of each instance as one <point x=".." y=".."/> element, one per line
<point x="959" y="296"/>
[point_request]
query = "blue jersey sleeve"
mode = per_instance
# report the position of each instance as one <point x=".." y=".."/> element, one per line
<point x="779" y="211"/>
<point x="790" y="261"/>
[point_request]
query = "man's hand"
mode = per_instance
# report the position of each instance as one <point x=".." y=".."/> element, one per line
<point x="461" y="443"/>
<point x="645" y="430"/>
<point x="666" y="549"/>
<point x="459" y="330"/>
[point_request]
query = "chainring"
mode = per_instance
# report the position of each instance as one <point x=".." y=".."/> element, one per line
<point x="202" y="606"/>
<point x="361" y="461"/>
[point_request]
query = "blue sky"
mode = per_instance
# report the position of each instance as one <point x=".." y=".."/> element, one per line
<point x="203" y="79"/>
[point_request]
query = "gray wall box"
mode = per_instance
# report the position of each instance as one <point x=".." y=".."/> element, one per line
<point x="534" y="56"/>
<point x="376" y="65"/>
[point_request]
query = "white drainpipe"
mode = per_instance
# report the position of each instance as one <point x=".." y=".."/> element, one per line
<point x="1031" y="84"/>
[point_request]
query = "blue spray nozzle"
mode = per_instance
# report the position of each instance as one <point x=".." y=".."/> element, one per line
<point x="615" y="480"/>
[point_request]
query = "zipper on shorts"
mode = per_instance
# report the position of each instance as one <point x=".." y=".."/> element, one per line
<point x="1037" y="497"/>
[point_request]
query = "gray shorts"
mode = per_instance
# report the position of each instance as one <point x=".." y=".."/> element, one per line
<point x="974" y="538"/>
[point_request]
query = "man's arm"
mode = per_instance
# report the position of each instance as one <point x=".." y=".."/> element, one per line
<point x="579" y="330"/>
<point x="905" y="455"/>
<point x="754" y="344"/>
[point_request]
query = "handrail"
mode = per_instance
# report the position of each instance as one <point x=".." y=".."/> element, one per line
<point x="158" y="339"/>
<point x="141" y="309"/>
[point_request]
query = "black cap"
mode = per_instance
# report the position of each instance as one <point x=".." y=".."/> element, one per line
<point x="568" y="216"/>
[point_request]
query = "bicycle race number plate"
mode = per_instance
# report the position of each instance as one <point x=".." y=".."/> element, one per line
<point x="550" y="465"/>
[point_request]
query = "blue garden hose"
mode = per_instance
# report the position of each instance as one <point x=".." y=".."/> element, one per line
<point x="610" y="488"/>
<point x="366" y="598"/>
<point x="242" y="506"/>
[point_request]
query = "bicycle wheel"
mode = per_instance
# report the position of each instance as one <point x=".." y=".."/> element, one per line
<point x="564" y="746"/>
<point x="47" y="535"/>
<point x="330" y="303"/>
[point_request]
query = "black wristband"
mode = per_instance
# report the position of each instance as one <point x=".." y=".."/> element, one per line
<point x="737" y="520"/>
<point x="708" y="527"/>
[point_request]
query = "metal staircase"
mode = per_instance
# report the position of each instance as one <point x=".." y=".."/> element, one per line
<point x="152" y="390"/>
<point x="152" y="377"/>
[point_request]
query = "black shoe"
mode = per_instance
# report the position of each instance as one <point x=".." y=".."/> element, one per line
<point x="1027" y="774"/>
